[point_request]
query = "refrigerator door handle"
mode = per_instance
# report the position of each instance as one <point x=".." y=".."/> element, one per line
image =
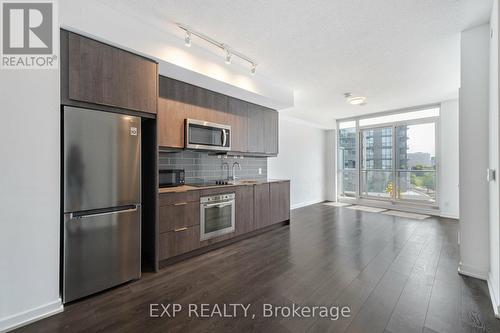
<point x="224" y="138"/>
<point x="73" y="216"/>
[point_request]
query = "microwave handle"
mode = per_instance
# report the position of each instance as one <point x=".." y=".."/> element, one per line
<point x="224" y="137"/>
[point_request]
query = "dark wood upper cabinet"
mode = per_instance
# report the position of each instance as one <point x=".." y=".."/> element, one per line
<point x="201" y="107"/>
<point x="262" y="214"/>
<point x="102" y="74"/>
<point x="256" y="120"/>
<point x="173" y="107"/>
<point x="254" y="128"/>
<point x="280" y="201"/>
<point x="220" y="114"/>
<point x="271" y="132"/>
<point x="238" y="119"/>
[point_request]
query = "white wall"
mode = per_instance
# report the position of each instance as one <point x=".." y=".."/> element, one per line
<point x="449" y="160"/>
<point x="29" y="193"/>
<point x="494" y="199"/>
<point x="301" y="159"/>
<point x="330" y="155"/>
<point x="473" y="145"/>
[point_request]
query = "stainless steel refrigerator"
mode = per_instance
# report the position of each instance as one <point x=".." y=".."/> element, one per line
<point x="102" y="201"/>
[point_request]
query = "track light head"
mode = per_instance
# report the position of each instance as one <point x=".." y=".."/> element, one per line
<point x="253" y="68"/>
<point x="187" y="39"/>
<point x="228" y="55"/>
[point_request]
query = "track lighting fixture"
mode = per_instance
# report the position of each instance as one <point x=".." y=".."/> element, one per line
<point x="187" y="38"/>
<point x="228" y="52"/>
<point x="228" y="55"/>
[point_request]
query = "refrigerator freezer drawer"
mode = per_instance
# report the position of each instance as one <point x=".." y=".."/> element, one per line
<point x="100" y="251"/>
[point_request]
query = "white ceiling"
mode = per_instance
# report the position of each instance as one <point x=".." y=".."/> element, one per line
<point x="398" y="53"/>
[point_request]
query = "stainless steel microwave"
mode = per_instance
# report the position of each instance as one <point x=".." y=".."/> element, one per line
<point x="204" y="135"/>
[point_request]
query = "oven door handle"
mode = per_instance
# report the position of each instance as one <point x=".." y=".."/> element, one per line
<point x="218" y="205"/>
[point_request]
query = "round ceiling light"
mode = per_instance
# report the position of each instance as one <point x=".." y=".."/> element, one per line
<point x="355" y="100"/>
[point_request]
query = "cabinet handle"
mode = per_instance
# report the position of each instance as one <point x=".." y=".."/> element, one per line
<point x="180" y="203"/>
<point x="180" y="229"/>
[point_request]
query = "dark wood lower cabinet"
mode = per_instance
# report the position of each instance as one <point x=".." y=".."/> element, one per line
<point x="244" y="210"/>
<point x="179" y="215"/>
<point x="257" y="206"/>
<point x="280" y="201"/>
<point x="262" y="216"/>
<point x="178" y="197"/>
<point x="179" y="241"/>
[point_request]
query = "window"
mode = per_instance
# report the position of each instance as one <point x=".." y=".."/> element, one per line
<point x="397" y="117"/>
<point x="386" y="153"/>
<point x="397" y="157"/>
<point x="346" y="157"/>
<point x="374" y="179"/>
<point x="416" y="170"/>
<point x="386" y="164"/>
<point x="369" y="154"/>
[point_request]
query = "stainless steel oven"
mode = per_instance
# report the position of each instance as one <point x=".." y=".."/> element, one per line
<point x="216" y="215"/>
<point x="204" y="135"/>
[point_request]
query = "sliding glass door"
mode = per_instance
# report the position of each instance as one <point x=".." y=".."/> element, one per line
<point x="390" y="157"/>
<point x="416" y="162"/>
<point x="347" y="175"/>
<point x="406" y="173"/>
<point x="377" y="163"/>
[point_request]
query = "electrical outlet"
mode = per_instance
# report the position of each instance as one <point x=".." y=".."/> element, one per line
<point x="260" y="171"/>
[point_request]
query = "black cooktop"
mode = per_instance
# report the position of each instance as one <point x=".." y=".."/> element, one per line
<point x="205" y="182"/>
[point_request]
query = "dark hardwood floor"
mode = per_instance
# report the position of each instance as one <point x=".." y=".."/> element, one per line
<point x="395" y="274"/>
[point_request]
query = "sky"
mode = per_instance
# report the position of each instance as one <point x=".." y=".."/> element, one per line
<point x="421" y="138"/>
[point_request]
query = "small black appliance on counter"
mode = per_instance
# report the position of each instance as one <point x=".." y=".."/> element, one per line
<point x="171" y="177"/>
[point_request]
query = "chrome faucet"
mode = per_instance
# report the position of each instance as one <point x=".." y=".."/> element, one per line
<point x="234" y="170"/>
<point x="224" y="166"/>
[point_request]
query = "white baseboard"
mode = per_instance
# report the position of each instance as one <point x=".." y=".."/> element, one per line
<point x="494" y="301"/>
<point x="303" y="204"/>
<point x="29" y="316"/>
<point x="472" y="272"/>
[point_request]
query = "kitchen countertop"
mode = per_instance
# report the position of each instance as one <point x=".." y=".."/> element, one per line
<point x="184" y="188"/>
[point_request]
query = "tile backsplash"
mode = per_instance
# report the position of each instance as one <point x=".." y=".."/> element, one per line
<point x="201" y="165"/>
